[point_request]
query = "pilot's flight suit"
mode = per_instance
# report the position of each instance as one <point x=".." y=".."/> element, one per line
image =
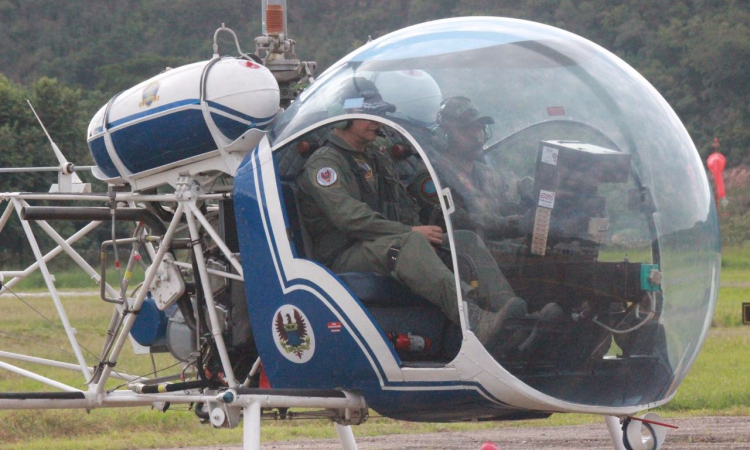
<point x="356" y="216"/>
<point x="485" y="201"/>
<point x="356" y="212"/>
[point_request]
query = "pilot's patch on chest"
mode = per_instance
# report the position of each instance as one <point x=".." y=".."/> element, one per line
<point x="327" y="176"/>
<point x="428" y="188"/>
<point x="366" y="167"/>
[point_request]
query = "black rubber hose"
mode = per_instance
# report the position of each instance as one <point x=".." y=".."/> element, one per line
<point x="156" y="207"/>
<point x="174" y="387"/>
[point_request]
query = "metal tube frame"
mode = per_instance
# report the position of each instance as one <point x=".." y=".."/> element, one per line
<point x="119" y="197"/>
<point x="122" y="321"/>
<point x="6" y="215"/>
<point x="251" y="427"/>
<point x="42" y="169"/>
<point x="122" y="398"/>
<point x="18" y="276"/>
<point x="53" y="291"/>
<point x="231" y="257"/>
<point x="111" y="351"/>
<point x="74" y="255"/>
<point x="16" y="202"/>
<point x="127" y="324"/>
<point x="346" y="436"/>
<point x="65" y="245"/>
<point x="60" y="364"/>
<point x="28" y="169"/>
<point x="212" y="271"/>
<point x="122" y="295"/>
<point x="37" y="377"/>
<point x="209" y="297"/>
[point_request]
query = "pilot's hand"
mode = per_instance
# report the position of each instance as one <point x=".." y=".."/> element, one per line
<point x="433" y="233"/>
<point x="525" y="187"/>
<point x="525" y="222"/>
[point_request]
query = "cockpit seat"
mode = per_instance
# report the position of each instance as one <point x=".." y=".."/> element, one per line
<point x="378" y="290"/>
<point x="398" y="310"/>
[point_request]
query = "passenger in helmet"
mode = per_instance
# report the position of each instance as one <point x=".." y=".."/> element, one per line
<point x="361" y="219"/>
<point x="488" y="200"/>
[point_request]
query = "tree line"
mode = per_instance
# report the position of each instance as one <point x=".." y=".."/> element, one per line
<point x="695" y="52"/>
<point x="69" y="57"/>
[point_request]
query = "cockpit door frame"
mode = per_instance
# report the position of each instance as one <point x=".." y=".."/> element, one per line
<point x="446" y="199"/>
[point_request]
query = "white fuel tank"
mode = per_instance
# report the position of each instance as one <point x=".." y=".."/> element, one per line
<point x="195" y="118"/>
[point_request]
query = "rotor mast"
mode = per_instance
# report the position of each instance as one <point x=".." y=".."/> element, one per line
<point x="277" y="51"/>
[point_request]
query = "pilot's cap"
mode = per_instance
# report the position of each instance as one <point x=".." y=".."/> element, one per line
<point x="460" y="111"/>
<point x="360" y="95"/>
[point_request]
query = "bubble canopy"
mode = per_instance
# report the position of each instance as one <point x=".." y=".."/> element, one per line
<point x="588" y="193"/>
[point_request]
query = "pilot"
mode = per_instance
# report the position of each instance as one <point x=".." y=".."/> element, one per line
<point x="361" y="219"/>
<point x="488" y="201"/>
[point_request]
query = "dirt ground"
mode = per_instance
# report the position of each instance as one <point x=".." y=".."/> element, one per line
<point x="719" y="433"/>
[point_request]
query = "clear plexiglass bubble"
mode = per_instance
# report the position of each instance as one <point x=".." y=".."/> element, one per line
<point x="587" y="191"/>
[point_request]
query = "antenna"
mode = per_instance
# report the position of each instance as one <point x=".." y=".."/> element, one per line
<point x="67" y="179"/>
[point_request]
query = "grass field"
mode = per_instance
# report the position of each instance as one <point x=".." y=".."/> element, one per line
<point x="717" y="385"/>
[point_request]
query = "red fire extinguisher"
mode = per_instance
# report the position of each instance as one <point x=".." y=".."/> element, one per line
<point x="409" y="342"/>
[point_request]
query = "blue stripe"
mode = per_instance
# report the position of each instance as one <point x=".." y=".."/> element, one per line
<point x="153" y="111"/>
<point x="163" y="140"/>
<point x="261" y="123"/>
<point x="99" y="152"/>
<point x="229" y="127"/>
<point x="255" y="121"/>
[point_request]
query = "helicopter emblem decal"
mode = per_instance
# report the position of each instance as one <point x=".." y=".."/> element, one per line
<point x="149" y="94"/>
<point x="293" y="335"/>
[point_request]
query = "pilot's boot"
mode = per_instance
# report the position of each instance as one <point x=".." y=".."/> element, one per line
<point x="551" y="313"/>
<point x="490" y="327"/>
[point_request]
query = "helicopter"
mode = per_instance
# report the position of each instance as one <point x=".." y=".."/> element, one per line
<point x="201" y="164"/>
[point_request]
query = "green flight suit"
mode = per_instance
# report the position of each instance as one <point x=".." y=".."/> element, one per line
<point x="356" y="211"/>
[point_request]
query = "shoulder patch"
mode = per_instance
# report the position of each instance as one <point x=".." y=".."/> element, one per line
<point x="326" y="176"/>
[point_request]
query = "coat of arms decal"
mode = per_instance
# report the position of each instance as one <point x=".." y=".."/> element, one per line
<point x="293" y="334"/>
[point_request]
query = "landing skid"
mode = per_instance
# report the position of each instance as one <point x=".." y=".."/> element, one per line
<point x="647" y="432"/>
<point x="226" y="408"/>
<point x="615" y="431"/>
